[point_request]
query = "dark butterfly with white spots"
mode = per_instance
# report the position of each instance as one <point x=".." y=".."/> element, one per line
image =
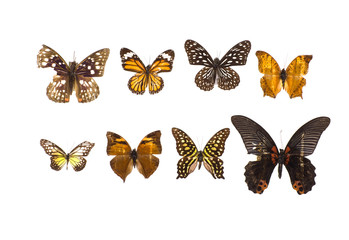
<point x="215" y="69"/>
<point x="77" y="77"/>
<point x="302" y="144"/>
<point x="192" y="156"/>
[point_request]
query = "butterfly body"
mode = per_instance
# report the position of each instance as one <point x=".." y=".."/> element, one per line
<point x="146" y="76"/>
<point x="191" y="156"/>
<point x="73" y="77"/>
<point x="217" y="70"/>
<point x="258" y="142"/>
<point x="126" y="159"/>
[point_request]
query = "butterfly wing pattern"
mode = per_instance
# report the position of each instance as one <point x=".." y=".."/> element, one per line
<point x="146" y="75"/>
<point x="258" y="142"/>
<point x="191" y="156"/>
<point x="274" y="79"/>
<point x="216" y="69"/>
<point x="125" y="158"/>
<point x="78" y="77"/>
<point x="59" y="158"/>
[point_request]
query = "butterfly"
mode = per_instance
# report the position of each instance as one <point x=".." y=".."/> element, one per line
<point x="191" y="156"/>
<point x="290" y="79"/>
<point x="77" y="77"/>
<point x="302" y="144"/>
<point x="146" y="75"/>
<point x="59" y="158"/>
<point x="142" y="158"/>
<point x="216" y="69"/>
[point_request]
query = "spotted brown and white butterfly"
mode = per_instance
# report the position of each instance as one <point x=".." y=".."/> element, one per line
<point x="59" y="158"/>
<point x="191" y="155"/>
<point x="216" y="70"/>
<point x="126" y="159"/>
<point x="77" y="77"/>
<point x="146" y="76"/>
<point x="302" y="144"/>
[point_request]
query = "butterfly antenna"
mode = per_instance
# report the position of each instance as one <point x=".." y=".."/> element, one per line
<point x="74" y="58"/>
<point x="282" y="145"/>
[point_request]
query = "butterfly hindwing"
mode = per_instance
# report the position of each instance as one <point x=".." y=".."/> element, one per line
<point x="76" y="156"/>
<point x="58" y="156"/>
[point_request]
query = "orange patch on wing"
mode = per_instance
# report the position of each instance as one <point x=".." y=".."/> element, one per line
<point x="262" y="185"/>
<point x="298" y="186"/>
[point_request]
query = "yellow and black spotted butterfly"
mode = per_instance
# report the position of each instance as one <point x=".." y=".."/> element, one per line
<point x="275" y="79"/>
<point x="302" y="144"/>
<point x="59" y="158"/>
<point x="142" y="158"/>
<point x="146" y="75"/>
<point x="77" y="77"/>
<point x="216" y="70"/>
<point x="191" y="156"/>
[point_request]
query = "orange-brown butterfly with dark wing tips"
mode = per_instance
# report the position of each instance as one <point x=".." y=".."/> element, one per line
<point x="146" y="76"/>
<point x="59" y="158"/>
<point x="302" y="144"/>
<point x="77" y="77"/>
<point x="126" y="158"/>
<point x="290" y="79"/>
<point x="191" y="156"/>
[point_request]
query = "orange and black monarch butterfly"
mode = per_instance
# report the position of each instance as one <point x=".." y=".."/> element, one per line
<point x="302" y="144"/>
<point x="77" y="77"/>
<point x="125" y="158"/>
<point x="146" y="75"/>
<point x="216" y="70"/>
<point x="290" y="79"/>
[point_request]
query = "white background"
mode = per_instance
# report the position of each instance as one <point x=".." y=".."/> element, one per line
<point x="39" y="203"/>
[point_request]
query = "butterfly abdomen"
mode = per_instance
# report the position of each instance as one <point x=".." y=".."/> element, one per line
<point x="200" y="158"/>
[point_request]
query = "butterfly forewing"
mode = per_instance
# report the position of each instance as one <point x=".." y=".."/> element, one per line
<point x="237" y="55"/>
<point x="304" y="140"/>
<point x="94" y="64"/>
<point x="58" y="156"/>
<point x="197" y="54"/>
<point x="47" y="57"/>
<point x="257" y="141"/>
<point x="131" y="62"/>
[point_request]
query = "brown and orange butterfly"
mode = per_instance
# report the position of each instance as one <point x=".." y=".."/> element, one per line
<point x="59" y="158"/>
<point x="77" y="77"/>
<point x="290" y="79"/>
<point x="191" y="155"/>
<point x="146" y="75"/>
<point x="126" y="158"/>
<point x="302" y="144"/>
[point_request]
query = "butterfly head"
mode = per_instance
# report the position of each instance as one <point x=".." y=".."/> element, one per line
<point x="134" y="157"/>
<point x="215" y="63"/>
